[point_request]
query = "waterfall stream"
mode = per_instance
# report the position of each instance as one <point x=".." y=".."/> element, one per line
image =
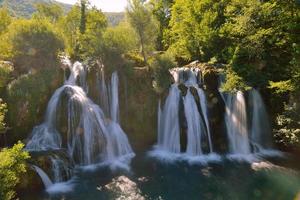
<point x="91" y="137"/>
<point x="44" y="177"/>
<point x="246" y="121"/>
<point x="197" y="123"/>
<point x="260" y="125"/>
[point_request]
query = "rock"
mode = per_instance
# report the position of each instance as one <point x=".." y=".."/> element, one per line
<point x="124" y="189"/>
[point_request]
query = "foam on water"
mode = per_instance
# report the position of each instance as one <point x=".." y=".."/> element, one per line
<point x="61" y="188"/>
<point x="169" y="157"/>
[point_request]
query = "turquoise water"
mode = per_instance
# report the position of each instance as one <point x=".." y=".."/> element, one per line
<point x="155" y="180"/>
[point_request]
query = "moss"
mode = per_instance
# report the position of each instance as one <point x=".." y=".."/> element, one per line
<point x="138" y="108"/>
<point x="27" y="99"/>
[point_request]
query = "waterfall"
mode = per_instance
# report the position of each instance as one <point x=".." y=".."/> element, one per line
<point x="195" y="128"/>
<point x="45" y="179"/>
<point x="203" y="105"/>
<point x="260" y="125"/>
<point x="168" y="116"/>
<point x="248" y="131"/>
<point x="236" y="123"/>
<point x="104" y="98"/>
<point x="114" y="109"/>
<point x="159" y="117"/>
<point x="91" y="136"/>
<point x="169" y="130"/>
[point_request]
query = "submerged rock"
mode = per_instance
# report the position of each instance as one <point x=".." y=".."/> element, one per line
<point x="122" y="188"/>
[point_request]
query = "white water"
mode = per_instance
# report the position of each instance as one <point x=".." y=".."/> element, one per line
<point x="169" y="131"/>
<point x="91" y="136"/>
<point x="260" y="125"/>
<point x="203" y="106"/>
<point x="104" y="97"/>
<point x="236" y="124"/>
<point x="114" y="106"/>
<point x="247" y="125"/>
<point x="44" y="177"/>
<point x="168" y="116"/>
<point x="195" y="128"/>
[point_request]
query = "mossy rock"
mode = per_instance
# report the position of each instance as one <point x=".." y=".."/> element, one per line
<point x="27" y="99"/>
<point x="183" y="89"/>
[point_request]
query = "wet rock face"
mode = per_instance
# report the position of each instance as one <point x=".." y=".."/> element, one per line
<point x="206" y="76"/>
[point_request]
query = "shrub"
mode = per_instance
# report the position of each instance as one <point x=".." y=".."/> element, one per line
<point x="27" y="98"/>
<point x="160" y="66"/>
<point x="12" y="166"/>
<point x="234" y="82"/>
<point x="287" y="132"/>
<point x="31" y="44"/>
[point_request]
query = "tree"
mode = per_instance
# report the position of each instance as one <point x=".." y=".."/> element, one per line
<point x="31" y="44"/>
<point x="50" y="11"/>
<point x="194" y="31"/>
<point x="118" y="41"/>
<point x="141" y="19"/>
<point x="12" y="166"/>
<point x="161" y="9"/>
<point x="121" y="38"/>
<point x="70" y="24"/>
<point x="91" y="42"/>
<point x="262" y="34"/>
<point x="83" y="5"/>
<point x="84" y="33"/>
<point x="5" y="20"/>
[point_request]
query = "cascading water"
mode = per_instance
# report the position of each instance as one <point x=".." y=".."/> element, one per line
<point x="169" y="130"/>
<point x="44" y="177"/>
<point x="247" y="128"/>
<point x="168" y="116"/>
<point x="91" y="137"/>
<point x="104" y="98"/>
<point x="260" y="125"/>
<point x="203" y="105"/>
<point x="245" y="139"/>
<point x="195" y="127"/>
<point x="236" y="123"/>
<point x="114" y="106"/>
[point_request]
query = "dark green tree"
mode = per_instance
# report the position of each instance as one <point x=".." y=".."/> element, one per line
<point x="141" y="19"/>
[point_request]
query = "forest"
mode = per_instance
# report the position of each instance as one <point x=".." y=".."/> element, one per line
<point x="255" y="44"/>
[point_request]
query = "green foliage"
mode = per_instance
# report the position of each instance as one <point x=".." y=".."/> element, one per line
<point x="5" y="20"/>
<point x="70" y="24"/>
<point x="121" y="38"/>
<point x="295" y="63"/>
<point x="5" y="71"/>
<point x="136" y="58"/>
<point x="3" y="111"/>
<point x="287" y="131"/>
<point x="12" y="166"/>
<point x="195" y="29"/>
<point x="89" y="44"/>
<point x="25" y="8"/>
<point x="117" y="41"/>
<point x="160" y="67"/>
<point x="281" y="86"/>
<point x="27" y="99"/>
<point x="234" y="82"/>
<point x="161" y="10"/>
<point x="141" y="19"/>
<point x="52" y="12"/>
<point x="31" y="44"/>
<point x="83" y="5"/>
<point x="261" y="35"/>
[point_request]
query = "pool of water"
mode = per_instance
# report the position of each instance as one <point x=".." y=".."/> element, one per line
<point x="151" y="179"/>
